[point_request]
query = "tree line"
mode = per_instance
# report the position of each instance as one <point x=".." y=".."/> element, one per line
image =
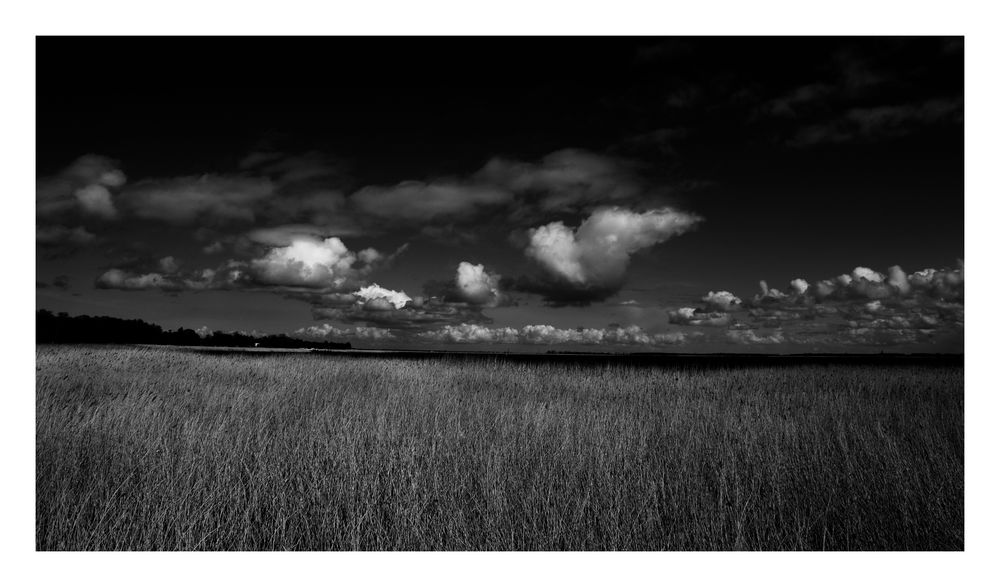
<point x="62" y="328"/>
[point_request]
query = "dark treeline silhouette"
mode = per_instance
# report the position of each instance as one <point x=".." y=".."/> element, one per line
<point x="62" y="328"/>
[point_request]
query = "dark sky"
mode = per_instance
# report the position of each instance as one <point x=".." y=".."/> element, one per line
<point x="600" y="193"/>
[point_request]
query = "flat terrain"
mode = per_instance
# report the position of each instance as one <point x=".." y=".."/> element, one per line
<point x="164" y="449"/>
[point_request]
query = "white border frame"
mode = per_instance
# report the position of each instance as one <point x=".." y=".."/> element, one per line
<point x="22" y="21"/>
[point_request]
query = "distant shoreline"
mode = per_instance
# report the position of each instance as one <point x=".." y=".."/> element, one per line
<point x="640" y="358"/>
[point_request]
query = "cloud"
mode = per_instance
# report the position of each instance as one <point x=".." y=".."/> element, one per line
<point x="882" y="122"/>
<point x="945" y="284"/>
<point x="82" y="187"/>
<point x="472" y="333"/>
<point x="450" y="234"/>
<point x="168" y="265"/>
<point x="306" y="263"/>
<point x="868" y="307"/>
<point x="374" y="293"/>
<point x="230" y="275"/>
<point x="95" y="169"/>
<point x="898" y="279"/>
<point x="284" y="235"/>
<point x="566" y="179"/>
<point x="865" y="283"/>
<point x="589" y="264"/>
<point x="52" y="236"/>
<point x="476" y="286"/>
<point x="800" y="101"/>
<point x="324" y="208"/>
<point x="901" y="322"/>
<point x="417" y="201"/>
<point x="472" y="286"/>
<point x="697" y="317"/>
<point x="329" y="332"/>
<point x="58" y="282"/>
<point x="276" y="189"/>
<point x="900" y="119"/>
<point x="767" y="294"/>
<point x="312" y="262"/>
<point x="287" y="260"/>
<point x="213" y="248"/>
<point x="746" y="336"/>
<point x="205" y="199"/>
<point x="722" y="301"/>
<point x="864" y="307"/>
<point x="883" y="336"/>
<point x="96" y="200"/>
<point x="799" y="286"/>
<point x="271" y="188"/>
<point x="119" y="279"/>
<point x="381" y="307"/>
<point x="418" y="313"/>
<point x="543" y="334"/>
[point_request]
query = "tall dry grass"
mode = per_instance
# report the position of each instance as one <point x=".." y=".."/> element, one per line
<point x="150" y="449"/>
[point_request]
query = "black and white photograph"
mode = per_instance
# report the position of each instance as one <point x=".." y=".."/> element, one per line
<point x="387" y="293"/>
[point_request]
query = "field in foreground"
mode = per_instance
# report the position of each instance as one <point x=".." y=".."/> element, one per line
<point x="158" y="449"/>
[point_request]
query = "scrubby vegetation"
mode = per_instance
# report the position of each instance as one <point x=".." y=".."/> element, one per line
<point x="157" y="449"/>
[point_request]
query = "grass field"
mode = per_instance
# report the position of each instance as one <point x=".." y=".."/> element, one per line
<point x="158" y="449"/>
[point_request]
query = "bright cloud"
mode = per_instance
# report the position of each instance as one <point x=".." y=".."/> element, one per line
<point x="375" y="294"/>
<point x="722" y="301"/>
<point x="476" y="286"/>
<point x="309" y="262"/>
<point x="544" y="334"/>
<point x="329" y="332"/>
<point x="596" y="254"/>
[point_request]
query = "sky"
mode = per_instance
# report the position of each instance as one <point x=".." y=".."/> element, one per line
<point x="715" y="194"/>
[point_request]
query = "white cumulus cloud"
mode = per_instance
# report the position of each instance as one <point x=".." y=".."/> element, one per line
<point x="329" y="332"/>
<point x="477" y="286"/>
<point x="309" y="262"/>
<point x="472" y="333"/>
<point x="545" y="334"/>
<point x="597" y="253"/>
<point x="722" y="301"/>
<point x="374" y="295"/>
<point x="799" y="286"/>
